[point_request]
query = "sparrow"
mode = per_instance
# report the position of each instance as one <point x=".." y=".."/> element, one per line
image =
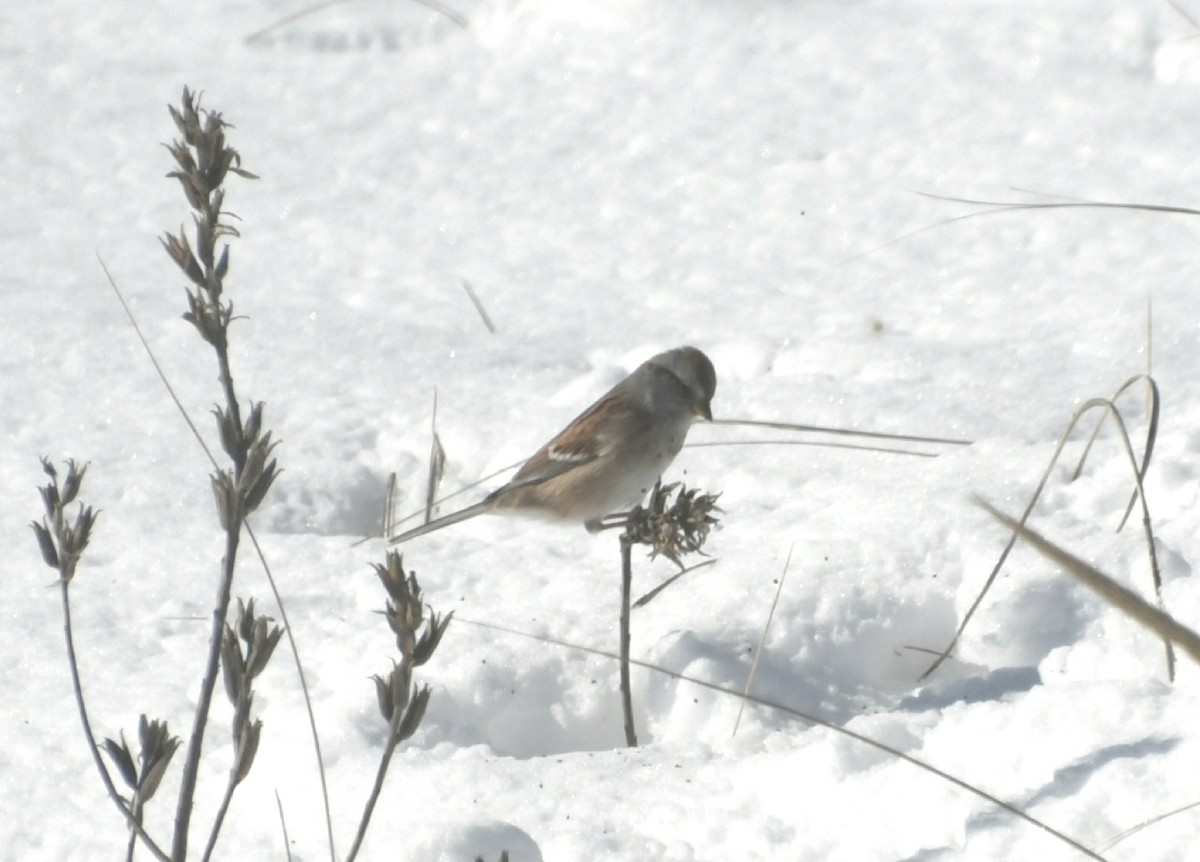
<point x="607" y="459"/>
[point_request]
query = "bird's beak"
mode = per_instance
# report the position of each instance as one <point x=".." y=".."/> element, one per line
<point x="703" y="410"/>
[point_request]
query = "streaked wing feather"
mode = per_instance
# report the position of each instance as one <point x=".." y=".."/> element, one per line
<point x="581" y="442"/>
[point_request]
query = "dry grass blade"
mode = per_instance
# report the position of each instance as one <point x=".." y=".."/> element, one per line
<point x="389" y="507"/>
<point x="885" y="450"/>
<point x="997" y="207"/>
<point x="287" y="844"/>
<point x="1120" y="597"/>
<point x="437" y="465"/>
<point x="650" y="596"/>
<point x="314" y="8"/>
<point x="1152" y="401"/>
<point x="845" y="432"/>
<point x="1109" y="843"/>
<point x="762" y="641"/>
<point x="1137" y="470"/>
<point x="487" y="320"/>
<point x="811" y="719"/>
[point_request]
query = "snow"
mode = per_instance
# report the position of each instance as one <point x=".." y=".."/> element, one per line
<point x="613" y="179"/>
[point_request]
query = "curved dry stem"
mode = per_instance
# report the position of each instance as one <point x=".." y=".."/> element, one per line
<point x="111" y="789"/>
<point x="815" y="720"/>
<point x="1147" y="449"/>
<point x="997" y="207"/>
<point x="1092" y="404"/>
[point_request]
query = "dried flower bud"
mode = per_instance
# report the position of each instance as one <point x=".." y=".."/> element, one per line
<point x="46" y="543"/>
<point x="253" y="426"/>
<point x="179" y="251"/>
<point x="247" y="748"/>
<point x="122" y="758"/>
<point x="232" y="668"/>
<point x="226" y="499"/>
<point x="79" y="535"/>
<point x="73" y="482"/>
<point x="383" y="694"/>
<point x="265" y="640"/>
<point x="413" y="715"/>
<point x="228" y="432"/>
<point x="158" y="747"/>
<point x="50" y="498"/>
<point x="222" y="265"/>
<point x="431" y="638"/>
<point x="256" y="493"/>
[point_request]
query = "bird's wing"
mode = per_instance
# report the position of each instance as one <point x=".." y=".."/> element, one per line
<point x="581" y="442"/>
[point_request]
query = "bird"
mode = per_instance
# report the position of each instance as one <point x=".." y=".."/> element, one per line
<point x="606" y="460"/>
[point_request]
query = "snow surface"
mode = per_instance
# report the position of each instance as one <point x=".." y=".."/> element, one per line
<point x="615" y="178"/>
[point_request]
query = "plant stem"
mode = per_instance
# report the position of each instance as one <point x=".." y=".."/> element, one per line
<point x="191" y="765"/>
<point x="374" y="797"/>
<point x="220" y="818"/>
<point x="235" y="413"/>
<point x="91" y="737"/>
<point x="626" y="588"/>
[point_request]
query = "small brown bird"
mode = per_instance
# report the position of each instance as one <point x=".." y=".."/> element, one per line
<point x="609" y="457"/>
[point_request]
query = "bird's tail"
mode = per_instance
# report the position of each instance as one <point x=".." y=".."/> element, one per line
<point x="479" y="508"/>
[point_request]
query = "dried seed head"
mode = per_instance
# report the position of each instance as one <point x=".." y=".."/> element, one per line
<point x="253" y="426"/>
<point x="46" y="543"/>
<point x="247" y="748"/>
<point x="50" y="498"/>
<point x="232" y="666"/>
<point x="157" y="749"/>
<point x="122" y="758"/>
<point x="228" y="432"/>
<point x="431" y="637"/>
<point x="226" y="498"/>
<point x="673" y="528"/>
<point x="413" y="715"/>
<point x="73" y="482"/>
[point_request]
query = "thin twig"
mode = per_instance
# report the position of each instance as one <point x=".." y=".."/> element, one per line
<point x="626" y="587"/>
